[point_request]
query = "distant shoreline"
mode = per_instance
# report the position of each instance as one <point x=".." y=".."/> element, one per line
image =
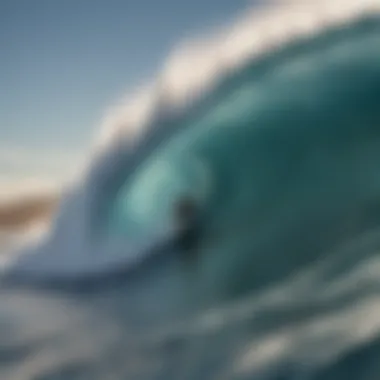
<point x="21" y="213"/>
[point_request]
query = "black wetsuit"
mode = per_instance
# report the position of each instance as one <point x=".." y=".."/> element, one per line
<point x="188" y="237"/>
<point x="189" y="230"/>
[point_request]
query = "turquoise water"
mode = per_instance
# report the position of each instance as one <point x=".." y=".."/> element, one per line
<point x="282" y="159"/>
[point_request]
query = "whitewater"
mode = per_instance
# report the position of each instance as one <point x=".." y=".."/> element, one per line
<point x="272" y="126"/>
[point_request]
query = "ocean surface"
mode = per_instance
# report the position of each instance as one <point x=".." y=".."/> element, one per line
<point x="281" y="156"/>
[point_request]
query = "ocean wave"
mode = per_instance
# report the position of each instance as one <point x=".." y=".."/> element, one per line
<point x="275" y="138"/>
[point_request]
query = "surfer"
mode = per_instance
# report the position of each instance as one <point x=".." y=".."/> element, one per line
<point x="186" y="216"/>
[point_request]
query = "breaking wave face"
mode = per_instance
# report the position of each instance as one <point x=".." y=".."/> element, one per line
<point x="279" y="147"/>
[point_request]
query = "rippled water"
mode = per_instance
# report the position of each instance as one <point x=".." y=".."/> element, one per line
<point x="322" y="323"/>
<point x="282" y="159"/>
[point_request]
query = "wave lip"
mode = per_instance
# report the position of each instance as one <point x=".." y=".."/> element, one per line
<point x="196" y="67"/>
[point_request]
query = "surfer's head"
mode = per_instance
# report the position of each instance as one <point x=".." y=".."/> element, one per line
<point x="185" y="210"/>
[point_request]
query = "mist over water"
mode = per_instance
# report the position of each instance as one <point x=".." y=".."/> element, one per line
<point x="282" y="159"/>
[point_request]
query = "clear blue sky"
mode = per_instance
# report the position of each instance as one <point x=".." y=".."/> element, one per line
<point x="64" y="61"/>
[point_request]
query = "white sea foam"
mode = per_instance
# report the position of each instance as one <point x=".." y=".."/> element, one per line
<point x="196" y="65"/>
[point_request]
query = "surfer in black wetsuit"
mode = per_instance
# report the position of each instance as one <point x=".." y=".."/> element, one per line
<point x="186" y="217"/>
